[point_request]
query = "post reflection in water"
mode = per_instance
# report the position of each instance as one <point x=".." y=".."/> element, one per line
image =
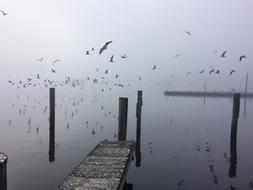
<point x="52" y="126"/>
<point x="233" y="135"/>
<point x="138" y="130"/>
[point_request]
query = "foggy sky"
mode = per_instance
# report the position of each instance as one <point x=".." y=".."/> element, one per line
<point x="150" y="32"/>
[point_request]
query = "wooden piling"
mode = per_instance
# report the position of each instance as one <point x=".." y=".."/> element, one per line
<point x="233" y="135"/>
<point x="3" y="171"/>
<point x="138" y="129"/>
<point x="122" y="128"/>
<point x="51" y="151"/>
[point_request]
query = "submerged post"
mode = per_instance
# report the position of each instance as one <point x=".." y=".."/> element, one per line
<point x="52" y="125"/>
<point x="122" y="128"/>
<point x="3" y="171"/>
<point x="233" y="135"/>
<point x="138" y="129"/>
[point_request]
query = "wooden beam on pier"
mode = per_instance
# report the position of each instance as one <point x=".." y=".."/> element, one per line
<point x="105" y="168"/>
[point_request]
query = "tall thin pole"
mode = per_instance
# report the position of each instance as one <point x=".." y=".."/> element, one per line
<point x="138" y="130"/>
<point x="51" y="151"/>
<point x="122" y="128"/>
<point x="233" y="135"/>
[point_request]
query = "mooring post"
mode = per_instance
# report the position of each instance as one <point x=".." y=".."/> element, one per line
<point x="138" y="129"/>
<point x="51" y="151"/>
<point x="122" y="128"/>
<point x="233" y="135"/>
<point x="3" y="171"/>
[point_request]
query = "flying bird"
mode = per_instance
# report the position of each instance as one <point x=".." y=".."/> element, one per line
<point x="87" y="53"/>
<point x="202" y="71"/>
<point x="53" y="70"/>
<point x="224" y="54"/>
<point x="242" y="57"/>
<point x="178" y="55"/>
<point x="231" y="72"/>
<point x="187" y="32"/>
<point x="106" y="71"/>
<point x="154" y="67"/>
<point x="123" y="56"/>
<point x="56" y="61"/>
<point x="217" y="72"/>
<point x="212" y="70"/>
<point x="41" y="59"/>
<point x="4" y="13"/>
<point x="111" y="59"/>
<point x="104" y="47"/>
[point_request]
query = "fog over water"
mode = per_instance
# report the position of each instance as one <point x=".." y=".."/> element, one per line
<point x="157" y="45"/>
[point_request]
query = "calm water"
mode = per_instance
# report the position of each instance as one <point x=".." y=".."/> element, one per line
<point x="185" y="142"/>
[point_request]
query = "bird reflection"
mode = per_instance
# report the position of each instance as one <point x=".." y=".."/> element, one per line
<point x="180" y="183"/>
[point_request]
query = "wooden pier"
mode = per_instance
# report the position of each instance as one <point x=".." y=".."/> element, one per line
<point x="105" y="168"/>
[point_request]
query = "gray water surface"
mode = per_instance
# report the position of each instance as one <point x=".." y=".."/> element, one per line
<point x="184" y="144"/>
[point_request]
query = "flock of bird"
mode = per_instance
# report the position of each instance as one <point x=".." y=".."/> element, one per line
<point x="38" y="80"/>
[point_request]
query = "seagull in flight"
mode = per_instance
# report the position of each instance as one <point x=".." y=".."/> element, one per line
<point x="41" y="59"/>
<point x="187" y="32"/>
<point x="123" y="56"/>
<point x="111" y="59"/>
<point x="56" y="61"/>
<point x="154" y="67"/>
<point x="224" y="54"/>
<point x="202" y="71"/>
<point x="178" y="55"/>
<point x="53" y="70"/>
<point x="212" y="70"/>
<point x="4" y="13"/>
<point x="242" y="57"/>
<point x="231" y="72"/>
<point x="104" y="47"/>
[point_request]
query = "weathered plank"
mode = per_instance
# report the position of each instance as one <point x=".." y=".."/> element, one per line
<point x="104" y="168"/>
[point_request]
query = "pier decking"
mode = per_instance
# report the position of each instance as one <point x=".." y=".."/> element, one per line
<point x="104" y="168"/>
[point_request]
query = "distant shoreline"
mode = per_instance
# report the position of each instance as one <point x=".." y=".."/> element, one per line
<point x="206" y="94"/>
